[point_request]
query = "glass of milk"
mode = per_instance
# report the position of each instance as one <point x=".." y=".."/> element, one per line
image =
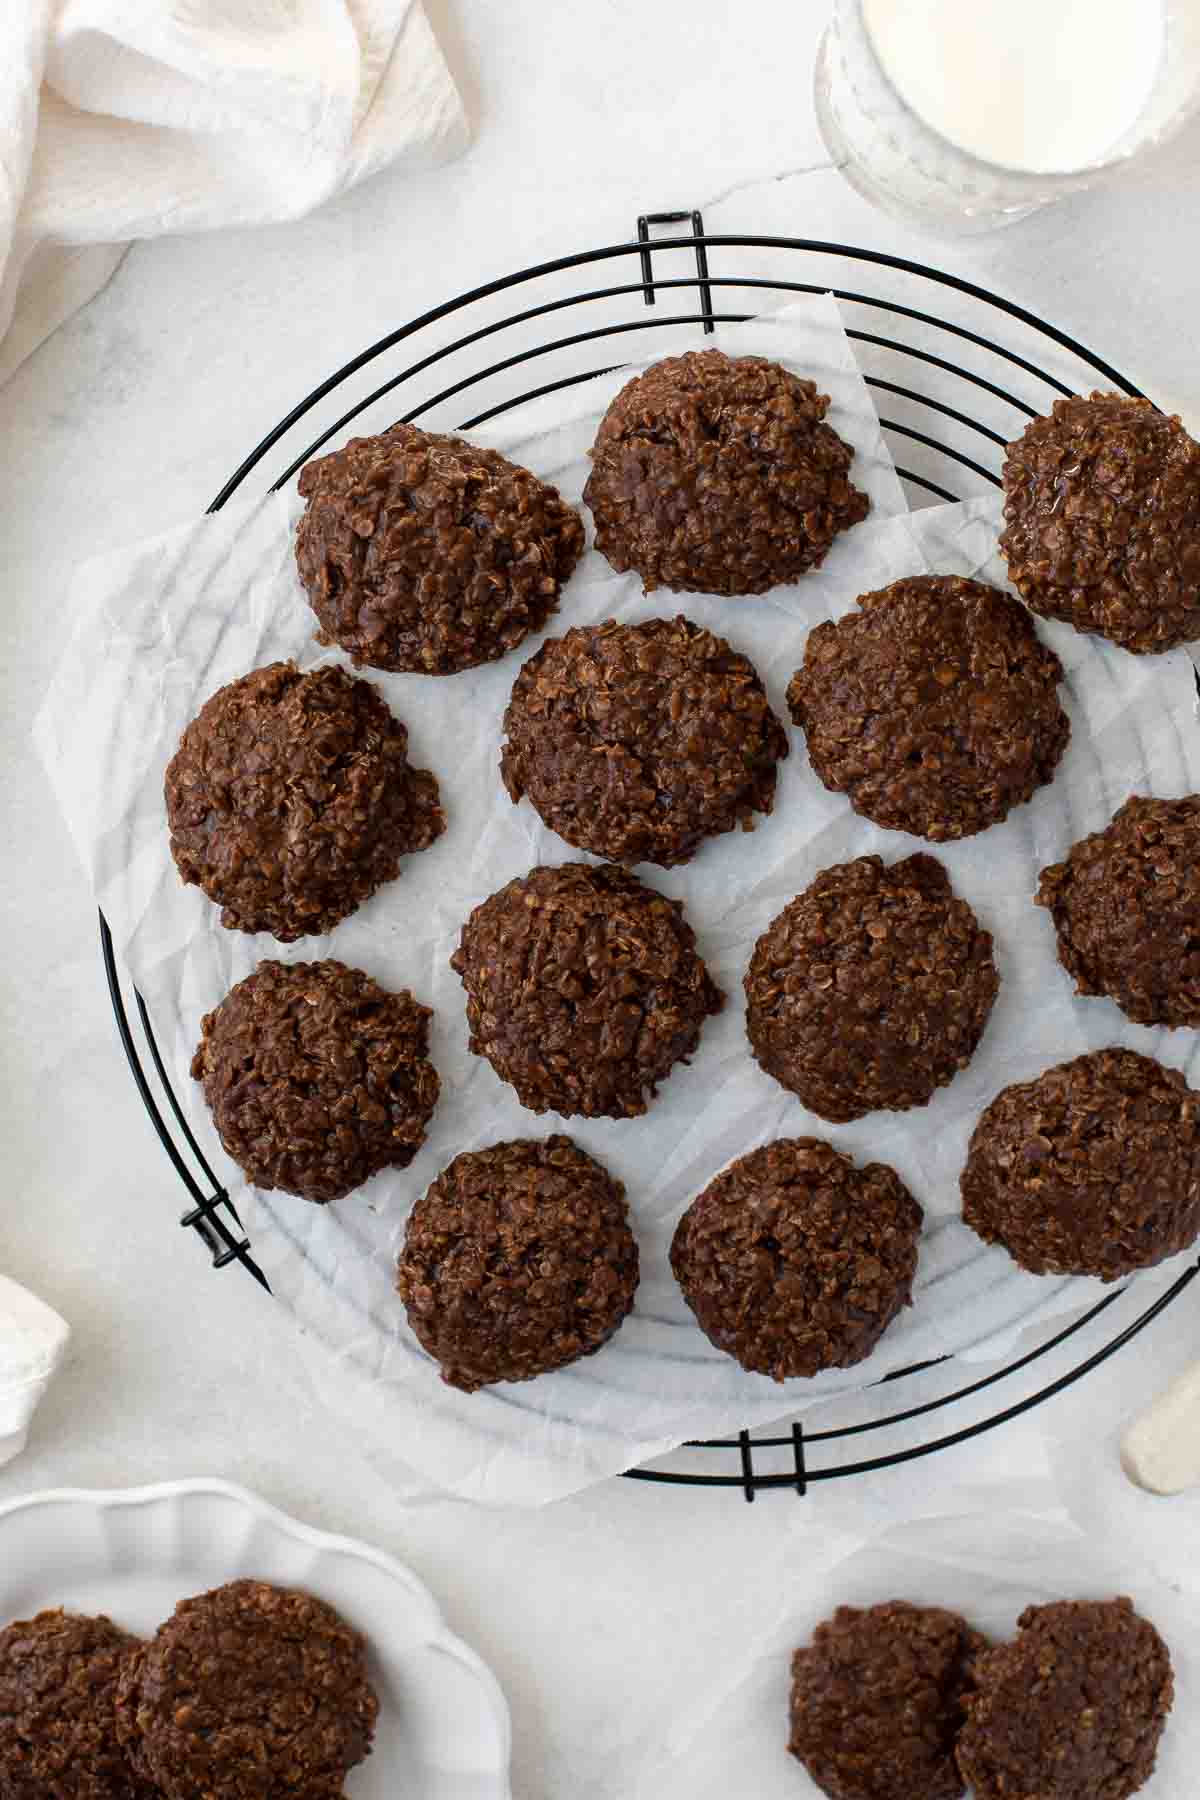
<point x="964" y="115"/>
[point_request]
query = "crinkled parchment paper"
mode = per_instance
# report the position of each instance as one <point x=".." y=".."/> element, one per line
<point x="164" y="624"/>
<point x="988" y="1566"/>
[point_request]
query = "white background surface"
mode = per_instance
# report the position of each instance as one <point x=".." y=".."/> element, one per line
<point x="604" y="1615"/>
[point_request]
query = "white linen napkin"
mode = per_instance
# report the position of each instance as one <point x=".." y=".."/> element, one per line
<point x="33" y="1340"/>
<point x="123" y="119"/>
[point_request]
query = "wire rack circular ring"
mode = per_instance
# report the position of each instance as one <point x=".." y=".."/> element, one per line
<point x="958" y="374"/>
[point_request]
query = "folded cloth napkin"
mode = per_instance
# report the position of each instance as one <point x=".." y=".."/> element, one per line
<point x="121" y="119"/>
<point x="32" y="1342"/>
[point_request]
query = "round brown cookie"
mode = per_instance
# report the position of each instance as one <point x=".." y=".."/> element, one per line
<point x="316" y="1077"/>
<point x="584" y="989"/>
<point x="637" y="742"/>
<point x="518" y="1260"/>
<point x="58" y="1730"/>
<point x="793" y="1260"/>
<point x="251" y="1692"/>
<point x="1072" y="1709"/>
<point x="871" y="989"/>
<point x="934" y="707"/>
<point x="717" y="474"/>
<point x="877" y="1702"/>
<point x="420" y="551"/>
<point x="1126" y="907"/>
<point x="291" y="799"/>
<point x="1091" y="1169"/>
<point x="1102" y="520"/>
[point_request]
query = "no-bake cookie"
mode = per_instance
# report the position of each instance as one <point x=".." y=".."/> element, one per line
<point x="316" y="1077"/>
<point x="877" y="1702"/>
<point x="250" y="1692"/>
<point x="637" y="742"/>
<point x="58" y="1725"/>
<point x="518" y="1260"/>
<point x="719" y="474"/>
<point x="794" y="1260"/>
<point x="871" y="989"/>
<point x="1091" y="1169"/>
<point x="1102" y="520"/>
<point x="933" y="706"/>
<point x="1072" y="1709"/>
<point x="422" y="552"/>
<point x="291" y="799"/>
<point x="1126" y="907"/>
<point x="584" y="988"/>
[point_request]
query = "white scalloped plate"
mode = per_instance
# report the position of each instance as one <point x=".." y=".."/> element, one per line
<point x="443" y="1729"/>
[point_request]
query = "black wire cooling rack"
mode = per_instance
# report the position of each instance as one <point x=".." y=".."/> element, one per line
<point x="982" y="366"/>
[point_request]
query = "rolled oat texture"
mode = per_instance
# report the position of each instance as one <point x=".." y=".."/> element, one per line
<point x="871" y="989"/>
<point x="638" y="742"/>
<point x="422" y="552"/>
<point x="584" y="989"/>
<point x="877" y="1702"/>
<point x="58" y="1723"/>
<point x="1102" y="521"/>
<point x="518" y="1260"/>
<point x="1091" y="1169"/>
<point x="250" y="1692"/>
<point x="718" y="474"/>
<point x="933" y="707"/>
<point x="291" y="799"/>
<point x="1126" y="908"/>
<point x="794" y="1260"/>
<point x="316" y="1077"/>
<point x="1072" y="1709"/>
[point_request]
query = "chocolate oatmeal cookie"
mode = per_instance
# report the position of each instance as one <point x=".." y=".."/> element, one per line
<point x="1126" y="907"/>
<point x="934" y="707"/>
<point x="637" y="742"/>
<point x="420" y="551"/>
<point x="584" y="989"/>
<point x="1092" y="1169"/>
<point x="250" y="1692"/>
<point x="1072" y="1709"/>
<point x="877" y="1702"/>
<point x="518" y="1260"/>
<point x="1102" y="521"/>
<point x="58" y="1728"/>
<point x="793" y="1260"/>
<point x="291" y="799"/>
<point x="316" y="1077"/>
<point x="871" y="989"/>
<point x="717" y="474"/>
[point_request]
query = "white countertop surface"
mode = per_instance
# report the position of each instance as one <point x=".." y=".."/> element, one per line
<point x="602" y="1615"/>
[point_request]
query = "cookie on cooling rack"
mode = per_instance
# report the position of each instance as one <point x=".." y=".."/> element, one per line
<point x="933" y="706"/>
<point x="719" y="475"/>
<point x="423" y="552"/>
<point x="316" y="1077"/>
<point x="584" y="989"/>
<point x="1102" y="521"/>
<point x="877" y="1702"/>
<point x="251" y="1692"/>
<point x="1126" y="908"/>
<point x="1072" y="1709"/>
<point x="291" y="799"/>
<point x="517" y="1261"/>
<point x="638" y="742"/>
<point x="795" y="1260"/>
<point x="58" y="1725"/>
<point x="871" y="989"/>
<point x="1091" y="1169"/>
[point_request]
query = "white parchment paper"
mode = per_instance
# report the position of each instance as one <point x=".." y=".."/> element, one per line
<point x="164" y="624"/>
<point x="986" y="1565"/>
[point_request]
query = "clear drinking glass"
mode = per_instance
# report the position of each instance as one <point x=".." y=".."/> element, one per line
<point x="895" y="159"/>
